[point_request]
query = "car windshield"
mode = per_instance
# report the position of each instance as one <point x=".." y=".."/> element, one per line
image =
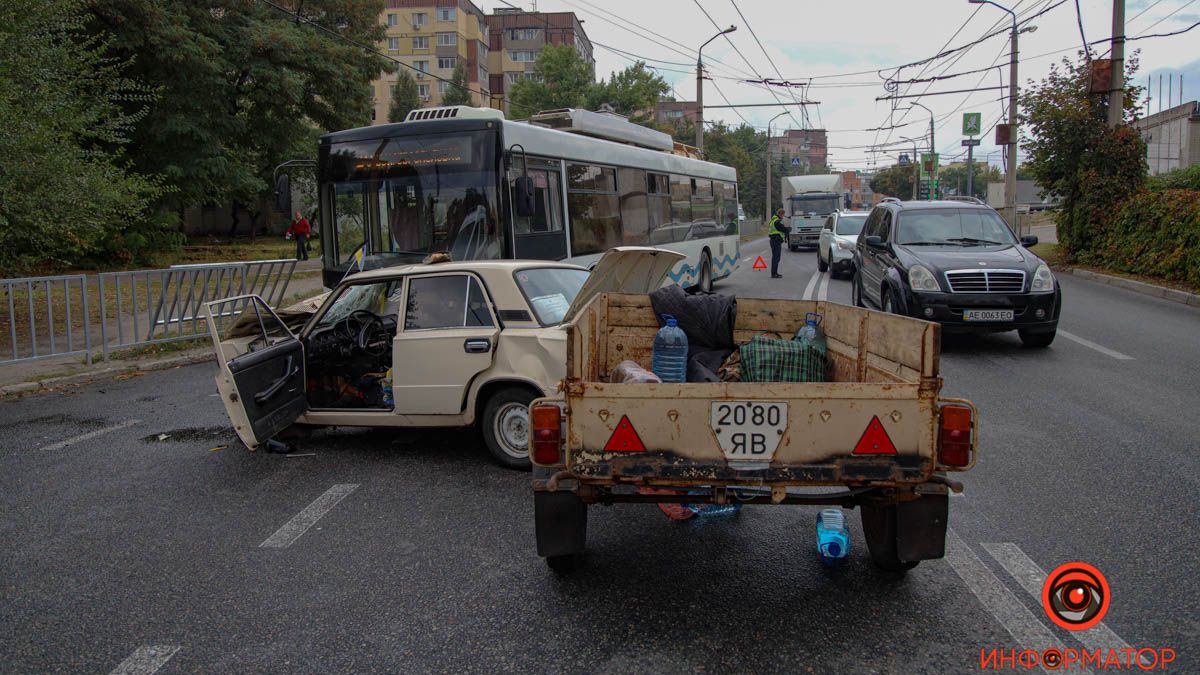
<point x="377" y="298"/>
<point x="550" y="291"/>
<point x="955" y="227"/>
<point x="851" y="225"/>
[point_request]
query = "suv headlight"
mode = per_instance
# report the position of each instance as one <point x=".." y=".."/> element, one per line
<point x="921" y="279"/>
<point x="1043" y="280"/>
<point x="844" y="245"/>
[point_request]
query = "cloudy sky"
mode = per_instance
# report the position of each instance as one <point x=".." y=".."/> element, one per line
<point x="850" y="47"/>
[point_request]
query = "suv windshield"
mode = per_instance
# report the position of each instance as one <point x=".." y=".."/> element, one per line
<point x="550" y="291"/>
<point x="954" y="227"/>
<point x="851" y="225"/>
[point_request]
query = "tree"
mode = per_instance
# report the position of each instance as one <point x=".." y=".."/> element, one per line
<point x="459" y="91"/>
<point x="952" y="178"/>
<point x="1074" y="154"/>
<point x="633" y="92"/>
<point x="237" y="82"/>
<point x="404" y="97"/>
<point x="67" y="195"/>
<point x="895" y="181"/>
<point x="563" y="80"/>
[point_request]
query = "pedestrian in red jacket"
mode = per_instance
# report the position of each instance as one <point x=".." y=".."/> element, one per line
<point x="300" y="231"/>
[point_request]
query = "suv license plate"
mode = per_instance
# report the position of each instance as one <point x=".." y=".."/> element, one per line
<point x="987" y="315"/>
<point x="749" y="431"/>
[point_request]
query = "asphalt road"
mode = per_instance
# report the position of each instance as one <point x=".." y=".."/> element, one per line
<point x="138" y="535"/>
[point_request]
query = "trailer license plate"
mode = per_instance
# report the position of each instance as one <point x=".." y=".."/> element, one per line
<point x="749" y="431"/>
<point x="987" y="315"/>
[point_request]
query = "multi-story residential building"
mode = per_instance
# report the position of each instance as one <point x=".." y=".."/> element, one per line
<point x="434" y="36"/>
<point x="667" y="112"/>
<point x="809" y="145"/>
<point x="517" y="37"/>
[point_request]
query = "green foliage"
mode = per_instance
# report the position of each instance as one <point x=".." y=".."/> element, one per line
<point x="238" y="81"/>
<point x="1074" y="154"/>
<point x="68" y="108"/>
<point x="633" y="92"/>
<point x="459" y="92"/>
<point x="564" y="80"/>
<point x="954" y="176"/>
<point x="404" y="97"/>
<point x="1154" y="233"/>
<point x="895" y="181"/>
<point x="1179" y="179"/>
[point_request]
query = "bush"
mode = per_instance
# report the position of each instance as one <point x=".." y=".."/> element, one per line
<point x="1179" y="179"/>
<point x="1153" y="233"/>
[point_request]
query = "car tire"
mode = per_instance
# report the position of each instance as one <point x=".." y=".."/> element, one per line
<point x="822" y="266"/>
<point x="856" y="289"/>
<point x="879" y="529"/>
<point x="1036" y="340"/>
<point x="504" y="423"/>
<point x="705" y="282"/>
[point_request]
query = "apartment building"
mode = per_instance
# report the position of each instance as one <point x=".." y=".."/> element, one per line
<point x="516" y="39"/>
<point x="667" y="112"/>
<point x="434" y="36"/>
<point x="811" y="146"/>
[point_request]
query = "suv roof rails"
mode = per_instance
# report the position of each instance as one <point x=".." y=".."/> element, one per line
<point x="964" y="198"/>
<point x="895" y="200"/>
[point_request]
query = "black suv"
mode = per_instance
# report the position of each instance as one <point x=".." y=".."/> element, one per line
<point x="956" y="263"/>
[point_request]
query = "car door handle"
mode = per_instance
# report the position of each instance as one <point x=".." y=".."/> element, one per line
<point x="277" y="386"/>
<point x="477" y="346"/>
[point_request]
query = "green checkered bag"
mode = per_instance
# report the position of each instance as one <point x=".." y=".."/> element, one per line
<point x="767" y="359"/>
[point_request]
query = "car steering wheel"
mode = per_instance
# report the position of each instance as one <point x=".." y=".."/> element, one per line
<point x="370" y="332"/>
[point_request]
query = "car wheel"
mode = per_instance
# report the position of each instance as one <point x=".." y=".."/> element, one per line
<point x="879" y="529"/>
<point x="821" y="264"/>
<point x="506" y="426"/>
<point x="856" y="289"/>
<point x="1036" y="340"/>
<point x="706" y="281"/>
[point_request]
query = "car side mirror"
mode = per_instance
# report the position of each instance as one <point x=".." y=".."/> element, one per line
<point x="283" y="192"/>
<point x="523" y="196"/>
<point x="874" y="241"/>
<point x="1029" y="240"/>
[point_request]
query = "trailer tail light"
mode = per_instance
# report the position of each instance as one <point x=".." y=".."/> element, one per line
<point x="954" y="435"/>
<point x="546" y="419"/>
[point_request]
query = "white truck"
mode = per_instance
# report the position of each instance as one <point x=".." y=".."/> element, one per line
<point x="807" y="202"/>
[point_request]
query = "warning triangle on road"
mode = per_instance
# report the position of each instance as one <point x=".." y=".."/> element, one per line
<point x="875" y="440"/>
<point x="760" y="264"/>
<point x="624" y="438"/>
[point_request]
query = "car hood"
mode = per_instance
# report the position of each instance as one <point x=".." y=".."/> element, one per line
<point x="972" y="257"/>
<point x="625" y="269"/>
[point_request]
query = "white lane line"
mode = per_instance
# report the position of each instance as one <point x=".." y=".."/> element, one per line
<point x="1016" y="618"/>
<point x="146" y="660"/>
<point x="808" y="290"/>
<point x="298" y="525"/>
<point x="89" y="435"/>
<point x="1031" y="577"/>
<point x="1100" y="348"/>
<point x="823" y="290"/>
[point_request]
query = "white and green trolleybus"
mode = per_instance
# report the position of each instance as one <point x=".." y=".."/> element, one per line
<point x="563" y="185"/>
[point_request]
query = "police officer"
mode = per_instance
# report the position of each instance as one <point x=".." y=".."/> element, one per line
<point x="776" y="233"/>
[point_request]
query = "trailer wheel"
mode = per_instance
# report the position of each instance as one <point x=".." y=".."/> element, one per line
<point x="560" y="523"/>
<point x="879" y="528"/>
<point x="564" y="564"/>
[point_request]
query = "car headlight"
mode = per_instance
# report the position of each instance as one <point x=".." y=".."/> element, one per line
<point x="1043" y="280"/>
<point x="921" y="279"/>
<point x="844" y="245"/>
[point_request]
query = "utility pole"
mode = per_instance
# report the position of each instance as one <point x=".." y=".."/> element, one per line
<point x="1116" y="98"/>
<point x="767" y="210"/>
<point x="700" y="89"/>
<point x="970" y="170"/>
<point x="915" y="164"/>
<point x="932" y="145"/>
<point x="1010" y="167"/>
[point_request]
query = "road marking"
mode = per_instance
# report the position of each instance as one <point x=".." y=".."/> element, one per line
<point x="1100" y="348"/>
<point x="1031" y="577"/>
<point x="1016" y="618"/>
<point x="89" y="435"/>
<point x="146" y="660"/>
<point x="823" y="291"/>
<point x="808" y="290"/>
<point x="298" y="525"/>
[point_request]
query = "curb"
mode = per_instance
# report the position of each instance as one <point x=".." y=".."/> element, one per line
<point x="1174" y="295"/>
<point x="25" y="388"/>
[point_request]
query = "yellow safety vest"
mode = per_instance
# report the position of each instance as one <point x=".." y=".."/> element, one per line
<point x="774" y="231"/>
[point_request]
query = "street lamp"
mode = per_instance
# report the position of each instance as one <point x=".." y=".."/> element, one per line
<point x="932" y="145"/>
<point x="1010" y="168"/>
<point x="700" y="88"/>
<point x="767" y="213"/>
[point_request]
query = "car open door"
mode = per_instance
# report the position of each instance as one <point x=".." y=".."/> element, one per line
<point x="261" y="377"/>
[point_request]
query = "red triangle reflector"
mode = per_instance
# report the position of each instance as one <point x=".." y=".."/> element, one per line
<point x="760" y="264"/>
<point x="875" y="440"/>
<point x="624" y="438"/>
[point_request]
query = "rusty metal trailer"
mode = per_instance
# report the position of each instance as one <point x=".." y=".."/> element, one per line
<point x="878" y="429"/>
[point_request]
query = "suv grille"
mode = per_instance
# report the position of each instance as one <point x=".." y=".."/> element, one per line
<point x="986" y="281"/>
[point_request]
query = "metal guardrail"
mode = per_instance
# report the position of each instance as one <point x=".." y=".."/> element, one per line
<point x="44" y="317"/>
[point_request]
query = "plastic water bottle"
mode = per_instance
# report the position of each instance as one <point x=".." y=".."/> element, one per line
<point x="833" y="537"/>
<point x="670" y="352"/>
<point x="814" y="347"/>
<point x="388" y="402"/>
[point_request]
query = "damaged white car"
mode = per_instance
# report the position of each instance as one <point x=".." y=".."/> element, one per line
<point x="433" y="345"/>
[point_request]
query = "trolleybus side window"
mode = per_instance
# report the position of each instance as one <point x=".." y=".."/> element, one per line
<point x="631" y="185"/>
<point x="594" y="208"/>
<point x="658" y="208"/>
